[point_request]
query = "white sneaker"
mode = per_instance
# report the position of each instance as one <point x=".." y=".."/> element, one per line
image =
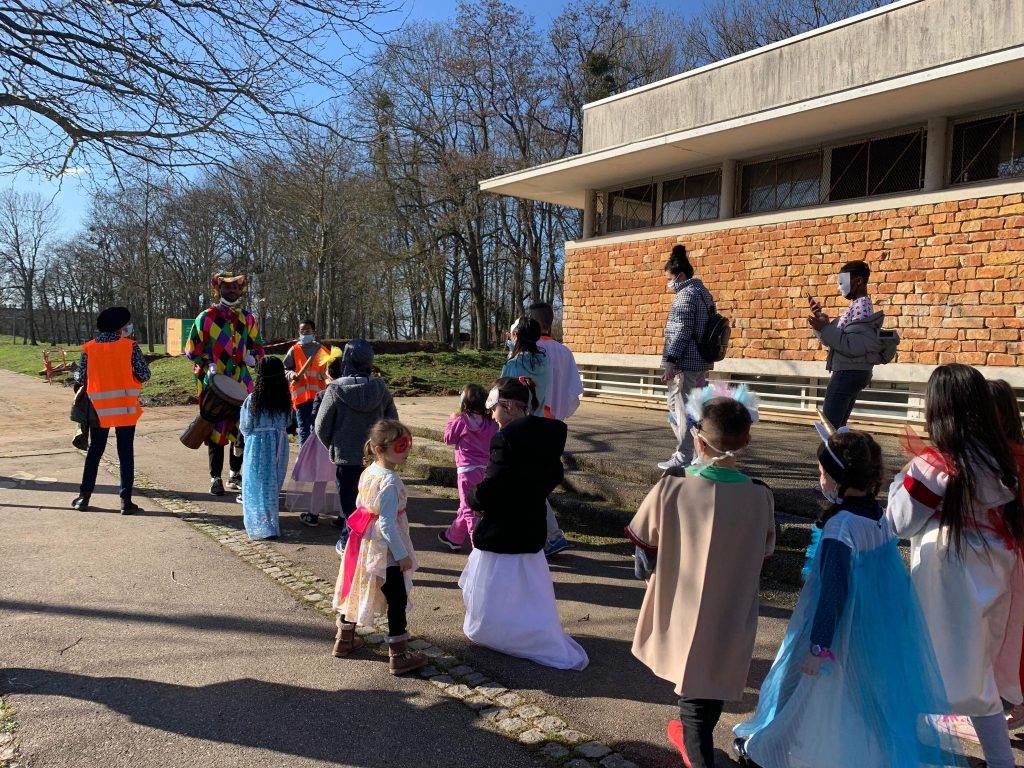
<point x="676" y="461"/>
<point x="234" y="482"/>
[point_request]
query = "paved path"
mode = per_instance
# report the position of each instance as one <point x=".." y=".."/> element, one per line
<point x="138" y="638"/>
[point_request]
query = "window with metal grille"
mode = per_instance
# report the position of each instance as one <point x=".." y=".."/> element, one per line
<point x="880" y="166"/>
<point x="988" y="148"/>
<point x="631" y="208"/>
<point x="691" y="198"/>
<point x="783" y="182"/>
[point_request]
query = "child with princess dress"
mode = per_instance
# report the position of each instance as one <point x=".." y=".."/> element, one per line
<point x="470" y="431"/>
<point x="263" y="422"/>
<point x="506" y="585"/>
<point x="375" y="577"/>
<point x="311" y="487"/>
<point x="855" y="681"/>
<point x="958" y="501"/>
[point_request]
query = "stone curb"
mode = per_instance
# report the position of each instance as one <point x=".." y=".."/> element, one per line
<point x="506" y="711"/>
<point x="10" y="754"/>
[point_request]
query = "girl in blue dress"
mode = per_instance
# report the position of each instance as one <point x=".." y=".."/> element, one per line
<point x="855" y="683"/>
<point x="265" y="417"/>
<point x="526" y="358"/>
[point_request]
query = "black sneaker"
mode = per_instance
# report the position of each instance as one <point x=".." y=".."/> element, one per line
<point x="739" y="747"/>
<point x="234" y="482"/>
<point x="81" y="503"/>
<point x="308" y="518"/>
<point x="337" y="522"/>
<point x="216" y="486"/>
<point x="452" y="546"/>
<point x="129" y="507"/>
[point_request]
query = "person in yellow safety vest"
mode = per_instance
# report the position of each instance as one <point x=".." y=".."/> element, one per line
<point x="112" y="369"/>
<point x="305" y="388"/>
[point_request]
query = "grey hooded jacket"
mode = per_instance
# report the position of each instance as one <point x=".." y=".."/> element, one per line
<point x="351" y="405"/>
<point x="856" y="347"/>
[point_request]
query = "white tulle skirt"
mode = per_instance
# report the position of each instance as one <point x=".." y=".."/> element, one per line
<point x="511" y="608"/>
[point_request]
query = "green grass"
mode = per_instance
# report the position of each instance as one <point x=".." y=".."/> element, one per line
<point x="410" y="374"/>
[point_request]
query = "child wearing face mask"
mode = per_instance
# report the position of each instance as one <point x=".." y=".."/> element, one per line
<point x="701" y="535"/>
<point x="856" y="679"/>
<point x="506" y="585"/>
<point x="376" y="574"/>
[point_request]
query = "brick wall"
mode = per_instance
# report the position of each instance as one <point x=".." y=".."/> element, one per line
<point x="949" y="276"/>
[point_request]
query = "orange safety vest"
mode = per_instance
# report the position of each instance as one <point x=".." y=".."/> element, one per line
<point x="306" y="387"/>
<point x="111" y="384"/>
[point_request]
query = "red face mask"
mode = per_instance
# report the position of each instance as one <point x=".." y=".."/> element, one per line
<point x="402" y="444"/>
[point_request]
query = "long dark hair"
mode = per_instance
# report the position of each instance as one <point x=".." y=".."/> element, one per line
<point x="270" y="392"/>
<point x="1007" y="411"/>
<point x="961" y="418"/>
<point x="527" y="333"/>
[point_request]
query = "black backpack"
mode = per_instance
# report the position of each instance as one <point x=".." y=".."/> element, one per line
<point x="715" y="344"/>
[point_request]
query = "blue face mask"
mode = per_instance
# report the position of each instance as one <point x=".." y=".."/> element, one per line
<point x="306" y="338"/>
<point x="510" y="344"/>
<point x="128" y="330"/>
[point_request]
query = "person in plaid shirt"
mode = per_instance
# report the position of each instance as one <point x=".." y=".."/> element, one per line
<point x="685" y="367"/>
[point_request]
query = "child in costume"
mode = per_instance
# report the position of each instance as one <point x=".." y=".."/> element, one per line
<point x="1008" y="414"/>
<point x="263" y="422"/>
<point x="701" y="535"/>
<point x="376" y="573"/>
<point x="506" y="585"/>
<point x="958" y="503"/>
<point x="313" y="476"/>
<point x="470" y="431"/>
<point x="855" y="680"/>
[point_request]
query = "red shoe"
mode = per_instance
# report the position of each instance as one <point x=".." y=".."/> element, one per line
<point x="675" y="735"/>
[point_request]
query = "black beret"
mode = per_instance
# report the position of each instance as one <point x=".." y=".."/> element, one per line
<point x="113" y="319"/>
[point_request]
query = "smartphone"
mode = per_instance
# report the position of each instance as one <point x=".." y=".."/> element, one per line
<point x="815" y="306"/>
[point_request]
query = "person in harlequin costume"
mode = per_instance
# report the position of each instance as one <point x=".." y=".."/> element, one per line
<point x="226" y="339"/>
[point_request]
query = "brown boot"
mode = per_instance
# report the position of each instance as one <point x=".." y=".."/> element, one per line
<point x="346" y="640"/>
<point x="402" y="660"/>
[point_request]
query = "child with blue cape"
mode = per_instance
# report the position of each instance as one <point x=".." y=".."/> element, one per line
<point x="855" y="681"/>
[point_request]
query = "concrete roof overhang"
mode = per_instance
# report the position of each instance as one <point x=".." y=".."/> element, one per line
<point x="958" y="88"/>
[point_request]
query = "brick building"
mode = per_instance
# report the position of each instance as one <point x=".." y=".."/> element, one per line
<point x="896" y="136"/>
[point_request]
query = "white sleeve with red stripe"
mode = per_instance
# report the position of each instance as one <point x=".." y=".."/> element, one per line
<point x="914" y="496"/>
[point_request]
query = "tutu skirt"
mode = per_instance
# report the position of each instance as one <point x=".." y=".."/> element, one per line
<point x="312" y="487"/>
<point x="511" y="608"/>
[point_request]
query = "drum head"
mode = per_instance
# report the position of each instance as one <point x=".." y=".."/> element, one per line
<point x="228" y="389"/>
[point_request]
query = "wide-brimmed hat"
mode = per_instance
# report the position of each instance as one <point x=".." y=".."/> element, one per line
<point x="222" y="277"/>
<point x="113" y="319"/>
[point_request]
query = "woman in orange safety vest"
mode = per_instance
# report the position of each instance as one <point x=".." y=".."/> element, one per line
<point x="305" y="388"/>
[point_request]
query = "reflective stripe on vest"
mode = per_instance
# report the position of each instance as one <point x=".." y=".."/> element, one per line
<point x="110" y="383"/>
<point x="306" y="387"/>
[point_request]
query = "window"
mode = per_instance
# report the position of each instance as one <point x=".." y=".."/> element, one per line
<point x="877" y="167"/>
<point x="785" y="182"/>
<point x="631" y="208"/>
<point x="691" y="198"/>
<point x="988" y="148"/>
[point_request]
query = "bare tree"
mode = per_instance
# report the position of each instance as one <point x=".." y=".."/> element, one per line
<point x="167" y="82"/>
<point x="27" y="225"/>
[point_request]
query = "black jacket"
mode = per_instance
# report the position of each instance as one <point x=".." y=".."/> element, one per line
<point x="525" y="466"/>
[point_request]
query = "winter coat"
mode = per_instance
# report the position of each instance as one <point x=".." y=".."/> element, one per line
<point x="856" y="347"/>
<point x="525" y="465"/>
<point x="351" y="405"/>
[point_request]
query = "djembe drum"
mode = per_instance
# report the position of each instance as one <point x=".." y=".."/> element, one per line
<point x="222" y="400"/>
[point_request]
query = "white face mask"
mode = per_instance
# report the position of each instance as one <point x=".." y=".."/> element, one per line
<point x="831" y="494"/>
<point x="844" y="284"/>
<point x="698" y="463"/>
<point x="128" y="330"/>
<point x="226" y="303"/>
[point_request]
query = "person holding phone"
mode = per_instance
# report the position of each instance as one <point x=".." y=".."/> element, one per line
<point x="853" y="342"/>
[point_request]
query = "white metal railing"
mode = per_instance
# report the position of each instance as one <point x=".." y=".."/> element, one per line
<point x="784" y="395"/>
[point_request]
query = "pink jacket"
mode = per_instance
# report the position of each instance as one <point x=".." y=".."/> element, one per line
<point x="471" y="435"/>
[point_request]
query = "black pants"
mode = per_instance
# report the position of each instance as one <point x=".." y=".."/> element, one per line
<point x="394" y="593"/>
<point x="699" y="718"/>
<point x="348" y="486"/>
<point x="216" y="454"/>
<point x="841" y="395"/>
<point x="125" y="455"/>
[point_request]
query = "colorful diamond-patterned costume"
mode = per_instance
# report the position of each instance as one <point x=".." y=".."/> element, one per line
<point x="224" y="336"/>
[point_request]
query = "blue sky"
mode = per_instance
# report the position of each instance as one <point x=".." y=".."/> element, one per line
<point x="71" y="195"/>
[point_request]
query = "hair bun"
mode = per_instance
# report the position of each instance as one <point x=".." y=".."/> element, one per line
<point x="678" y="251"/>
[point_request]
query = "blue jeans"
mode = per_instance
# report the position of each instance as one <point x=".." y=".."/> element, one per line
<point x="304" y="420"/>
<point x="841" y="395"/>
<point x="125" y="456"/>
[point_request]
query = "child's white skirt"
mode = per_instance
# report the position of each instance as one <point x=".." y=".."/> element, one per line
<point x="511" y="608"/>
